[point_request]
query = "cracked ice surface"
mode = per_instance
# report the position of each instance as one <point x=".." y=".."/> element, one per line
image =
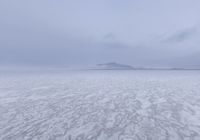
<point x="100" y="105"/>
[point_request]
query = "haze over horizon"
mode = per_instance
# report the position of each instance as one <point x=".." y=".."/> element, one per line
<point x="80" y="33"/>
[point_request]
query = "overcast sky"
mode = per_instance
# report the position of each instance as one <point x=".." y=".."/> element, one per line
<point x="88" y="32"/>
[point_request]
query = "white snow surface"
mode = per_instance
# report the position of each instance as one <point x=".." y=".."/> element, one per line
<point x="100" y="105"/>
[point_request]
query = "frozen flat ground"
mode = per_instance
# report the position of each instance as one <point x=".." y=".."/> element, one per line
<point x="100" y="105"/>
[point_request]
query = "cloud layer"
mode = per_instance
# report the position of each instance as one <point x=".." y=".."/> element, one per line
<point x="63" y="33"/>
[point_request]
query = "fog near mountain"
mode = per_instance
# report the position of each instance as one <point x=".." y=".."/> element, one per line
<point x="81" y="33"/>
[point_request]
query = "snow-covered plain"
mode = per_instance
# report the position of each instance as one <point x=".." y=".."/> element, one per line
<point x="100" y="105"/>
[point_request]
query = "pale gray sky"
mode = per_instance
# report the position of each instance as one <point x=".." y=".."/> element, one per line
<point x="87" y="32"/>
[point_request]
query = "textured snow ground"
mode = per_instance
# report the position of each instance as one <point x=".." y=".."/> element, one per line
<point x="100" y="105"/>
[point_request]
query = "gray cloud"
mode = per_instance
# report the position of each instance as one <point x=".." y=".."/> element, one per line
<point x="48" y="32"/>
<point x="181" y="36"/>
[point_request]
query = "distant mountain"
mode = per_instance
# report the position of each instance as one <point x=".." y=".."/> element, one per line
<point x="114" y="66"/>
<point x="118" y="66"/>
